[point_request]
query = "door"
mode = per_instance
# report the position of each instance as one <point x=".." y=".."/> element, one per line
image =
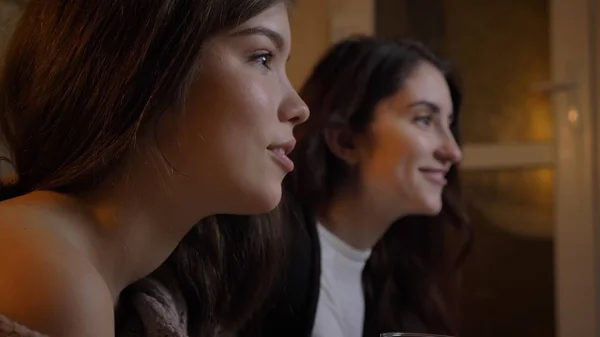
<point x="531" y="151"/>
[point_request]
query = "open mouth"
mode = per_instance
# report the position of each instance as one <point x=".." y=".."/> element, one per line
<point x="280" y="154"/>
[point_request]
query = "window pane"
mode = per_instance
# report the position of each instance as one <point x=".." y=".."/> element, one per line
<point x="501" y="49"/>
<point x="508" y="287"/>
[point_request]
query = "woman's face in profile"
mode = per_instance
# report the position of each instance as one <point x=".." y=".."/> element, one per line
<point x="238" y="119"/>
<point x="409" y="148"/>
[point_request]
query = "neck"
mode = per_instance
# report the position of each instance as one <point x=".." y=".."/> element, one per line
<point x="358" y="218"/>
<point x="138" y="225"/>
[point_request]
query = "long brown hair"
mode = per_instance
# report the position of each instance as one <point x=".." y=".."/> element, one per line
<point x="408" y="280"/>
<point x="81" y="78"/>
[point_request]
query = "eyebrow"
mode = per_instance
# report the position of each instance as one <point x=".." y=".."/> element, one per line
<point x="275" y="37"/>
<point x="431" y="106"/>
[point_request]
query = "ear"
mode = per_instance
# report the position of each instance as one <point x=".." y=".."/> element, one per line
<point x="342" y="143"/>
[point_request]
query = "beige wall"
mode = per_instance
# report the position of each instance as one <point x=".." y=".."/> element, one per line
<point x="310" y="38"/>
<point x="9" y="13"/>
<point x="317" y="23"/>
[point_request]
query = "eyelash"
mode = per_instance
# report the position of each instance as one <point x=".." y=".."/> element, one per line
<point x="424" y="120"/>
<point x="263" y="58"/>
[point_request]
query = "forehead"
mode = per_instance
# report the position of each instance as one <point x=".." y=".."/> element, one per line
<point x="275" y="18"/>
<point x="426" y="83"/>
<point x="272" y="24"/>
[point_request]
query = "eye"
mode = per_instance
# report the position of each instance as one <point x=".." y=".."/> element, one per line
<point x="263" y="58"/>
<point x="424" y="120"/>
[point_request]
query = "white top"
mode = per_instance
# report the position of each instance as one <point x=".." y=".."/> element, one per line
<point x="341" y="306"/>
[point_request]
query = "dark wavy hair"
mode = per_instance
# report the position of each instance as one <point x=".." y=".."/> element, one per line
<point x="81" y="78"/>
<point x="409" y="279"/>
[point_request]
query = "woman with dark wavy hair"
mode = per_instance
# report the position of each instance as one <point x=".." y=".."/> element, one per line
<point x="373" y="198"/>
<point x="128" y="122"/>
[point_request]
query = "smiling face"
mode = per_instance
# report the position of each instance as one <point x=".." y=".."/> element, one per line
<point x="408" y="149"/>
<point x="238" y="119"/>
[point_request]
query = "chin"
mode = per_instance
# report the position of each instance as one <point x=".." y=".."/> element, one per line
<point x="433" y="210"/>
<point x="432" y="206"/>
<point x="263" y="201"/>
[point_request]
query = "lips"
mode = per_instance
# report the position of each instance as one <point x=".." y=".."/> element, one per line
<point x="435" y="175"/>
<point x="285" y="147"/>
<point x="280" y="154"/>
<point x="279" y="151"/>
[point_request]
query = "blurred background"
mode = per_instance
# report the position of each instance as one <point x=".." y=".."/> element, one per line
<point x="502" y="50"/>
<point x="530" y="71"/>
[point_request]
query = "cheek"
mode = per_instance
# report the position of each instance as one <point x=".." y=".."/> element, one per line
<point x="224" y="132"/>
<point x="233" y="110"/>
<point x="418" y="154"/>
<point x="392" y="173"/>
<point x="395" y="159"/>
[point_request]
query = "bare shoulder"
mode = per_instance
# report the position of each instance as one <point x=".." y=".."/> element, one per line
<point x="45" y="283"/>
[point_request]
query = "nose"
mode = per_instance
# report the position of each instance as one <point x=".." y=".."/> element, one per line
<point x="293" y="108"/>
<point x="449" y="150"/>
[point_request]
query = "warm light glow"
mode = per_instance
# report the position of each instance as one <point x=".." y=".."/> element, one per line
<point x="573" y="115"/>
